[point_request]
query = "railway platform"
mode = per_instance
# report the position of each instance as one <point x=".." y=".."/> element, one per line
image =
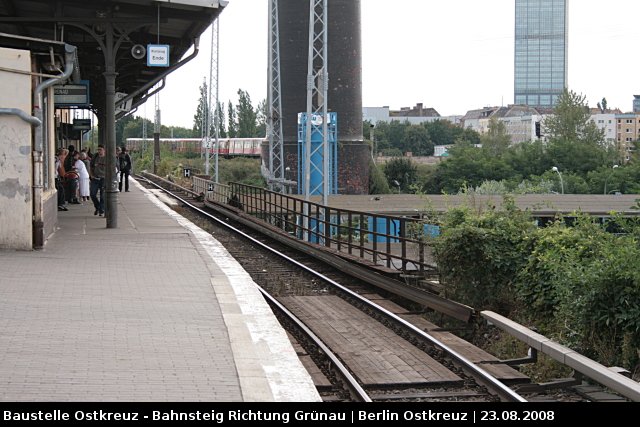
<point x="154" y="310"/>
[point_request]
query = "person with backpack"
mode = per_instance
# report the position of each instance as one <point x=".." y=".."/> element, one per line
<point x="125" y="169"/>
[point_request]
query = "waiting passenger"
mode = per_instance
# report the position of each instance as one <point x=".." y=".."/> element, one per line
<point x="83" y="174"/>
<point x="124" y="160"/>
<point x="61" y="155"/>
<point x="71" y="180"/>
<point x="97" y="175"/>
<point x="68" y="162"/>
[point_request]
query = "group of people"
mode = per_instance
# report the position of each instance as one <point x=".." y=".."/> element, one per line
<point x="80" y="176"/>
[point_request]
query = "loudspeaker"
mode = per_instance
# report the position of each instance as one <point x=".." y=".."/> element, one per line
<point x="138" y="51"/>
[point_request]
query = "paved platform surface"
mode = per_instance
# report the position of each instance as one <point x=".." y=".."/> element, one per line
<point x="155" y="310"/>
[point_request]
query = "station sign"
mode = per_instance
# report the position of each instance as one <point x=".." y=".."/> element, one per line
<point x="122" y="107"/>
<point x="158" y="55"/>
<point x="81" y="124"/>
<point x="72" y="94"/>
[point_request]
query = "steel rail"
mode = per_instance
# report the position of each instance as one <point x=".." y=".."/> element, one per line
<point x="502" y="390"/>
<point x="353" y="385"/>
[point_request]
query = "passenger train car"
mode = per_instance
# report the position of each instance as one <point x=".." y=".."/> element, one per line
<point x="229" y="147"/>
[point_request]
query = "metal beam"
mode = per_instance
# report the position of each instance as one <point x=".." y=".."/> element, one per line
<point x="274" y="93"/>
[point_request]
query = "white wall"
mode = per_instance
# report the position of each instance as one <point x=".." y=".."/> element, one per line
<point x="607" y="123"/>
<point x="15" y="153"/>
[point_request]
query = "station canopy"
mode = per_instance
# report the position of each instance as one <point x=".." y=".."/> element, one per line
<point x="136" y="23"/>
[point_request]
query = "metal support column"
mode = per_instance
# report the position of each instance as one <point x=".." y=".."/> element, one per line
<point x="317" y="89"/>
<point x="276" y="177"/>
<point x="111" y="180"/>
<point x="213" y="115"/>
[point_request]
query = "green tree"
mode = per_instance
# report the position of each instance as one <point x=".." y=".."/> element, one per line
<point x="571" y="122"/>
<point x="232" y="126"/>
<point x="496" y="141"/>
<point x="443" y="132"/>
<point x="379" y="134"/>
<point x="199" y="119"/>
<point x="575" y="142"/>
<point x="416" y="140"/>
<point x="401" y="170"/>
<point x="120" y="125"/>
<point x="179" y="132"/>
<point x="261" y="119"/>
<point x="377" y="181"/>
<point x="246" y="116"/>
<point x="469" y="166"/>
<point x="220" y="111"/>
<point x="133" y="129"/>
<point x="528" y="158"/>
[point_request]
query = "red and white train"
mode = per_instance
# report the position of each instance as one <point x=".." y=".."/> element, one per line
<point x="229" y="147"/>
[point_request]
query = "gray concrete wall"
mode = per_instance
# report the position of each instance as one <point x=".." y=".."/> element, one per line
<point x="15" y="153"/>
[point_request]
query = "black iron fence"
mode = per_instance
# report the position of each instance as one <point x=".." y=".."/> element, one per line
<point x="398" y="243"/>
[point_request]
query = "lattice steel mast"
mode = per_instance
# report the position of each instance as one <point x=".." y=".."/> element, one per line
<point x="274" y="113"/>
<point x="212" y="103"/>
<point x="317" y="89"/>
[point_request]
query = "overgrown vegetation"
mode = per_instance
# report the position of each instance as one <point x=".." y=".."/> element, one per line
<point x="241" y="170"/>
<point x="578" y="284"/>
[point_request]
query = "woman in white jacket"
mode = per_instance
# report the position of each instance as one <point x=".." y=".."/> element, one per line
<point x="83" y="174"/>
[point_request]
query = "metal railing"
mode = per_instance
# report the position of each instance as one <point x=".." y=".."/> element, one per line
<point x="397" y="243"/>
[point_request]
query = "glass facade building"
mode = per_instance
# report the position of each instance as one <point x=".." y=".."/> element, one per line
<point x="541" y="36"/>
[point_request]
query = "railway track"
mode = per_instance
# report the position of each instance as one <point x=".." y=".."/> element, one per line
<point x="364" y="345"/>
<point x="358" y="341"/>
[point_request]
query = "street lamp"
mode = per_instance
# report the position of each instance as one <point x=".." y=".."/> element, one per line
<point x="607" y="179"/>
<point x="398" y="184"/>
<point x="555" y="169"/>
<point x="373" y="144"/>
<point x="286" y="179"/>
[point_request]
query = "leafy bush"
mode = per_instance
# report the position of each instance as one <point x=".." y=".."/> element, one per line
<point x="578" y="284"/>
<point x="242" y="170"/>
<point x="584" y="286"/>
<point x="377" y="181"/>
<point x="479" y="255"/>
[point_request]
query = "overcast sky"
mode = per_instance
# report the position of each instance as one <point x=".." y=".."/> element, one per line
<point x="452" y="55"/>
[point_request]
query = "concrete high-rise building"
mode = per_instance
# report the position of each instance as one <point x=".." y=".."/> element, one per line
<point x="541" y="39"/>
<point x="636" y="103"/>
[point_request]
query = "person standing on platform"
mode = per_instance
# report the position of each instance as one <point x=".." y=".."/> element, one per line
<point x="68" y="161"/>
<point x="83" y="173"/>
<point x="61" y="155"/>
<point x="125" y="169"/>
<point x="97" y="175"/>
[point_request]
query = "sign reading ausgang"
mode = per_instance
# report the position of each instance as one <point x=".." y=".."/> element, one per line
<point x="75" y="94"/>
<point x="158" y="55"/>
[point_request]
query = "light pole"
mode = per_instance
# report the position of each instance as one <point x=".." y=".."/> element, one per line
<point x="373" y="144"/>
<point x="607" y="179"/>
<point x="555" y="169"/>
<point x="398" y="184"/>
<point x="286" y="180"/>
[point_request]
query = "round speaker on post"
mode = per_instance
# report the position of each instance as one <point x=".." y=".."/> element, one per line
<point x="138" y="51"/>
